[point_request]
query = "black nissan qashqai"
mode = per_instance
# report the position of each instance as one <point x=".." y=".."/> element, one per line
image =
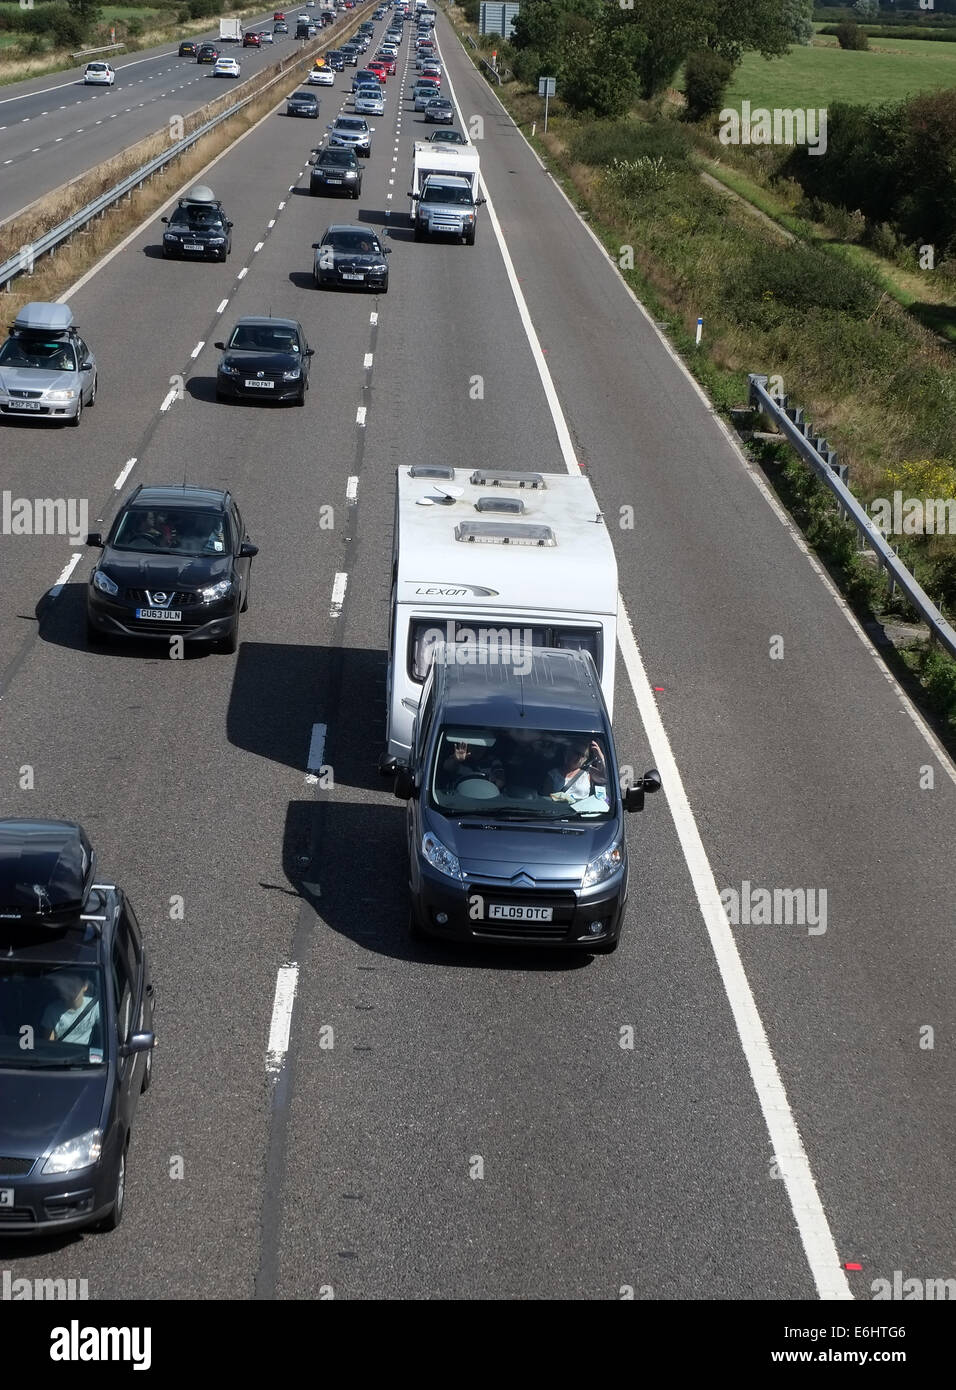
<point x="176" y="563"/>
<point x="76" y="1032"/>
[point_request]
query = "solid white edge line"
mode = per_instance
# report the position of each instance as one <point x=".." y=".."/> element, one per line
<point x="801" y="1189"/>
<point x="126" y="470"/>
<point x="280" y="1027"/>
<point x="316" y="757"/>
<point x="65" y="573"/>
<point x="339" y="585"/>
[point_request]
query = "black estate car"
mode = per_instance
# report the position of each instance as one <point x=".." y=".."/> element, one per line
<point x="198" y="227"/>
<point x="336" y="171"/>
<point x="266" y="360"/>
<point x="176" y="563"/>
<point x="76" y="1032"/>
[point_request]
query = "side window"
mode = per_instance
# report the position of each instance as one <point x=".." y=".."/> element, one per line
<point x="123" y="987"/>
<point x="237" y="525"/>
<point x="82" y="351"/>
<point x="426" y="716"/>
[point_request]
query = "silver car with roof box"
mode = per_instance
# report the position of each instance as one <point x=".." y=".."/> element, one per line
<point x="46" y="368"/>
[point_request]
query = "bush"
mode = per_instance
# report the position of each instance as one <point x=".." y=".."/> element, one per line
<point x="799" y="279"/>
<point x="600" y="143"/>
<point x="706" y="75"/>
<point x="850" y="35"/>
<point x="472" y="10"/>
<point x="134" y="28"/>
<point x="884" y="241"/>
<point x="633" y="178"/>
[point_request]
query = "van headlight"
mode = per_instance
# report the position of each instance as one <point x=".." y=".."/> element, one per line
<point x="440" y="857"/>
<point x="605" y="866"/>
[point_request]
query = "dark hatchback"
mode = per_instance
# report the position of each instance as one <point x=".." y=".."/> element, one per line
<point x="336" y="60"/>
<point x="208" y="53"/>
<point x="176" y="563"/>
<point x="303" y="103"/>
<point x="76" y="1032"/>
<point x="265" y="359"/>
<point x="197" y="231"/>
<point x="188" y="49"/>
<point x="515" y="825"/>
<point x="336" y="171"/>
<point x="351" y="257"/>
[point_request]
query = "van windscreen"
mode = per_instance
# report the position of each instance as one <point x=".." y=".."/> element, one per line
<point x="527" y="773"/>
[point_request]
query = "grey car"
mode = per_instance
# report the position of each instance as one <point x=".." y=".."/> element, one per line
<point x="46" y="368"/>
<point x="368" y="102"/>
<point x="440" y="111"/>
<point x="353" y="132"/>
<point x="423" y="95"/>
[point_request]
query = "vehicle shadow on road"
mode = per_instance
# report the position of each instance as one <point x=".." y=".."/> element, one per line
<point x="62" y="622"/>
<point x="324" y="846"/>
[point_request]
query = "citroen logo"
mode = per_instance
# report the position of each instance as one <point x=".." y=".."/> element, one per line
<point x="523" y="880"/>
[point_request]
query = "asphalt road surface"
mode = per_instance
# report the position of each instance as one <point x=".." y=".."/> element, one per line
<point x="472" y="1125"/>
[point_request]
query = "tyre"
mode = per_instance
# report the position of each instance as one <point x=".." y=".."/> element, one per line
<point x="384" y="289"/>
<point x="75" y="420"/>
<point x="221" y="396"/>
<point x="230" y="643"/>
<point x="414" y="929"/>
<point x="94" y="638"/>
<point x="300" y="398"/>
<point x="147" y="1073"/>
<point x="470" y="238"/>
<point x="419" y="234"/>
<point x="92" y="401"/>
<point x="607" y="948"/>
<point x="245" y="601"/>
<point x="110" y="1222"/>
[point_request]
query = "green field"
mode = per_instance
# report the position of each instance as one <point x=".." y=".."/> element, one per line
<point x="814" y="77"/>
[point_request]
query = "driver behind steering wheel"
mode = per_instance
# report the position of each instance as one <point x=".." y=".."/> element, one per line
<point x="465" y="761"/>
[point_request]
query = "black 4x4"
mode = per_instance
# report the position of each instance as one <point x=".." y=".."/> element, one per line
<point x="176" y="563"/>
<point x="76" y="1020"/>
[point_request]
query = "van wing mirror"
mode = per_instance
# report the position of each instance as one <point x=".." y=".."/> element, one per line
<point x="404" y="783"/>
<point x="649" y="783"/>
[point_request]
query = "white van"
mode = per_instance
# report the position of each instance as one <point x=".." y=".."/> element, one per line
<point x="507" y="560"/>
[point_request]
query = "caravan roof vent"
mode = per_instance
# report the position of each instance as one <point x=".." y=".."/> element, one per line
<point x="493" y="477"/>
<point x="431" y="470"/>
<point x="503" y="533"/>
<point x="514" y="505"/>
<point x="46" y="872"/>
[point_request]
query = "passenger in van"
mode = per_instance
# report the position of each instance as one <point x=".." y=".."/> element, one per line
<point x="583" y="772"/>
<point x="74" y="1019"/>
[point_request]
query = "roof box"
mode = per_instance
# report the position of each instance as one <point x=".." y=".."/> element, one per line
<point x="202" y="193"/>
<point x="46" y="872"/>
<point x="45" y="318"/>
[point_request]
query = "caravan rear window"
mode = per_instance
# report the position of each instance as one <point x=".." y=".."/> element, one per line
<point x="423" y="636"/>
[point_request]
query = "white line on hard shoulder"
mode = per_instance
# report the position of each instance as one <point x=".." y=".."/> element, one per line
<point x="125" y="471"/>
<point x="787" y="1146"/>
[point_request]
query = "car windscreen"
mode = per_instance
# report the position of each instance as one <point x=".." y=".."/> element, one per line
<point x="355" y="242"/>
<point x="350" y="124"/>
<point x="424" y="634"/>
<point x="534" y="774"/>
<point x="172" y="531"/>
<point x="50" y="355"/>
<point x="446" y="193"/>
<point x="51" y="1016"/>
<point x="337" y="159"/>
<point x="197" y="219"/>
<point x="263" y="337"/>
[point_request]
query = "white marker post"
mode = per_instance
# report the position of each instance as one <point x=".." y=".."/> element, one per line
<point x="700" y="330"/>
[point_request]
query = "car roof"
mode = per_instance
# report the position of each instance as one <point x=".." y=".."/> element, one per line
<point x="266" y="321"/>
<point x="166" y="494"/>
<point x="552" y="685"/>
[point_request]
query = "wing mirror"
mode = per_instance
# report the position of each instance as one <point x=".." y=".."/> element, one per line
<point x="404" y="783"/>
<point x="310" y="352"/>
<point x="247" y="550"/>
<point x="634" y="796"/>
<point x="95" y="538"/>
<point x="164" y="219"/>
<point x="86" y="366"/>
<point x="220" y="346"/>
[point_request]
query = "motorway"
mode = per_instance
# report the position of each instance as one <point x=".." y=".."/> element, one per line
<point x="656" y="1168"/>
<point x="54" y="128"/>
